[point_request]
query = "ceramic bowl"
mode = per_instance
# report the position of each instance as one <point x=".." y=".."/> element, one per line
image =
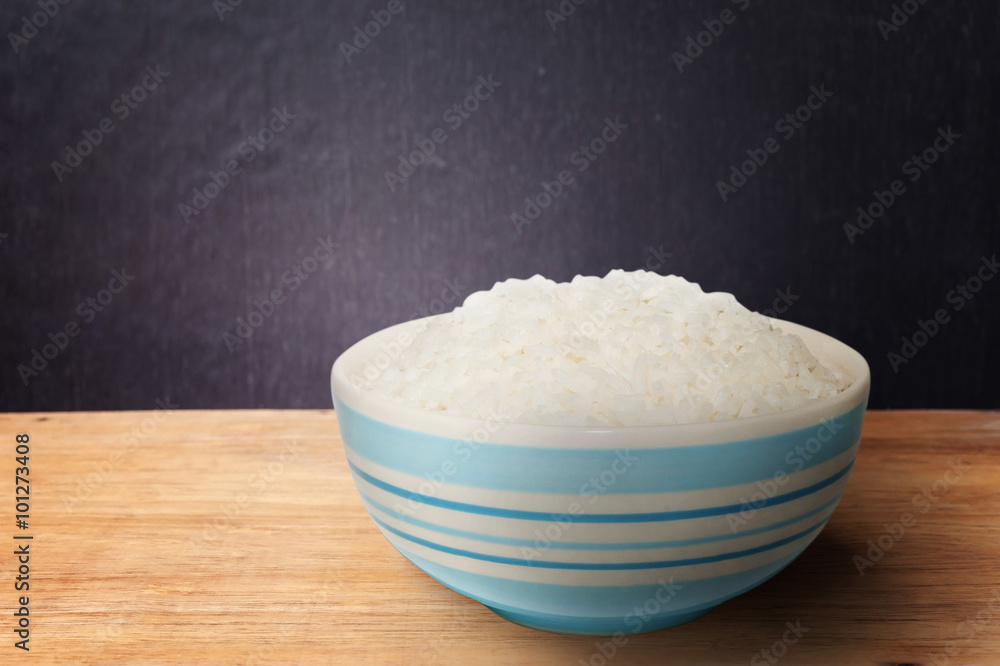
<point x="598" y="530"/>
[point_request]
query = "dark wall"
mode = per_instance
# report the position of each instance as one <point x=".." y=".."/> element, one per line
<point x="222" y="76"/>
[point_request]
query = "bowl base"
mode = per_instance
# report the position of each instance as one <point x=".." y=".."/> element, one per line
<point x="581" y="626"/>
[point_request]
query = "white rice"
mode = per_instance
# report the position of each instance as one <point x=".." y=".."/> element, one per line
<point x="629" y="349"/>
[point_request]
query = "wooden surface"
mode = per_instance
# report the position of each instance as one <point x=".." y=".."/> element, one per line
<point x="134" y="557"/>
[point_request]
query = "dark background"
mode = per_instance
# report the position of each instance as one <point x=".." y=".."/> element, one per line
<point x="323" y="175"/>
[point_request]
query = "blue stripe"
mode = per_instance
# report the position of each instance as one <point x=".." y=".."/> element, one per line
<point x="572" y="471"/>
<point x="601" y="609"/>
<point x="599" y="517"/>
<point x="580" y="545"/>
<point x="601" y="566"/>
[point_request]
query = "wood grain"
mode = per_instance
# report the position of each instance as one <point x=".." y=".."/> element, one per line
<point x="238" y="537"/>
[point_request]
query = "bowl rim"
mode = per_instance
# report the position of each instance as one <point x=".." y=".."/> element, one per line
<point x="830" y="351"/>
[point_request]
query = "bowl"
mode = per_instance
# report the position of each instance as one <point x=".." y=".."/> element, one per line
<point x="601" y="530"/>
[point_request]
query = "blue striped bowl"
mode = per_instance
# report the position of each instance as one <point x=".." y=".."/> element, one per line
<point x="598" y="530"/>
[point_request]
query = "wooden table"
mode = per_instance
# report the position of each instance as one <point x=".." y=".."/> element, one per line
<point x="238" y="537"/>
